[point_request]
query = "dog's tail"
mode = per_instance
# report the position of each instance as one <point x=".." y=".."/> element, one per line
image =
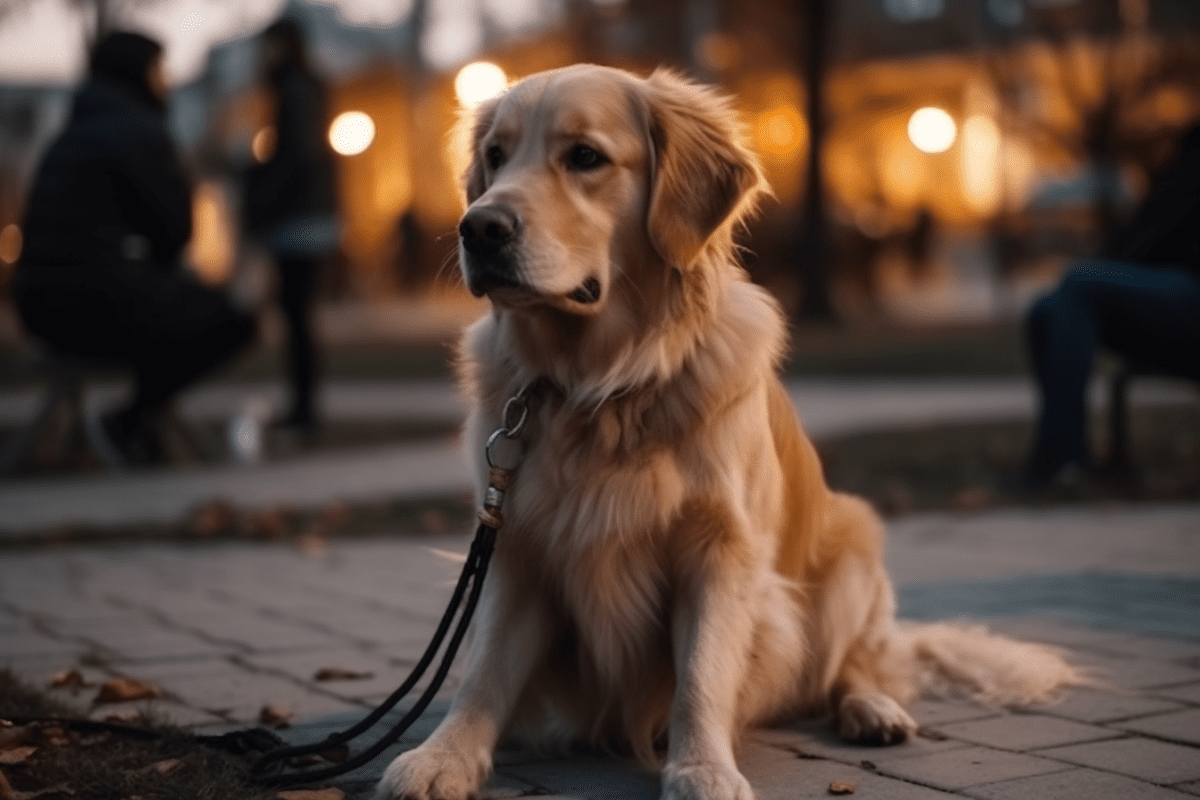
<point x="964" y="658"/>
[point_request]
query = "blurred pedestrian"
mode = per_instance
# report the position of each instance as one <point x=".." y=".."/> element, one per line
<point x="291" y="203"/>
<point x="1142" y="303"/>
<point x="107" y="219"/>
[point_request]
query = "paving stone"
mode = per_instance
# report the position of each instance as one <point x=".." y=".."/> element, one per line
<point x="382" y="676"/>
<point x="1022" y="732"/>
<point x="818" y="740"/>
<point x="34" y="643"/>
<point x="139" y="639"/>
<point x="262" y="635"/>
<point x="1056" y="631"/>
<point x="777" y="774"/>
<point x="1150" y="760"/>
<point x="1189" y="693"/>
<point x="590" y="778"/>
<point x="1073" y="784"/>
<point x="969" y="766"/>
<point x="1148" y="647"/>
<point x="366" y="625"/>
<point x="1179" y="726"/>
<point x="227" y="689"/>
<point x="1095" y="705"/>
<point x="928" y="713"/>
<point x="1132" y="673"/>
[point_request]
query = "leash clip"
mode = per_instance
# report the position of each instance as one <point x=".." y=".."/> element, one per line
<point x="513" y="420"/>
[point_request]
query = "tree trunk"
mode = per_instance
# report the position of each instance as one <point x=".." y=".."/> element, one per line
<point x="814" y="254"/>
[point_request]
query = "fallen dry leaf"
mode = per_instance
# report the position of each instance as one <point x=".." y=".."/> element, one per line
<point x="52" y="736"/>
<point x="276" y="716"/>
<point x="123" y="716"/>
<point x="119" y="690"/>
<point x="268" y="523"/>
<point x="214" y="517"/>
<point x="14" y="736"/>
<point x="70" y="678"/>
<point x="842" y="787"/>
<point x="17" y="755"/>
<point x="167" y="766"/>
<point x="311" y="794"/>
<point x="339" y="674"/>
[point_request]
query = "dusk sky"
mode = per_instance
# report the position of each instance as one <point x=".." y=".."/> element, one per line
<point x="43" y="40"/>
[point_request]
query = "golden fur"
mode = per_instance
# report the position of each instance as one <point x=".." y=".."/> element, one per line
<point x="673" y="567"/>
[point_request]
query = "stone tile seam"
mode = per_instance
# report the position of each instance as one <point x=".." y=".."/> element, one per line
<point x="311" y="686"/>
<point x="865" y="764"/>
<point x="1044" y="755"/>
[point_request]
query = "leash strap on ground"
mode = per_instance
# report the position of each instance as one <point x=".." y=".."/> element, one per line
<point x="473" y="574"/>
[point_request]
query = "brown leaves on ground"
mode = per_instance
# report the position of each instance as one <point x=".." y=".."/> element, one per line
<point x="339" y="674"/>
<point x="120" y="690"/>
<point x="214" y="518"/>
<point x="166" y="766"/>
<point x="70" y="678"/>
<point x="842" y="787"/>
<point x="311" y="794"/>
<point x="17" y="755"/>
<point x="276" y="716"/>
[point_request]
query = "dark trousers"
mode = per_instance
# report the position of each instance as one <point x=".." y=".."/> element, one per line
<point x="1147" y="315"/>
<point x="297" y="283"/>
<point x="171" y="330"/>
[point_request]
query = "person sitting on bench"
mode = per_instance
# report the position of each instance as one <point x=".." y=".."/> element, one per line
<point x="108" y="216"/>
<point x="1141" y="303"/>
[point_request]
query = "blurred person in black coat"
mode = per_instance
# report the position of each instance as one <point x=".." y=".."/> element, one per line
<point x="291" y="203"/>
<point x="1142" y="302"/>
<point x="107" y="219"/>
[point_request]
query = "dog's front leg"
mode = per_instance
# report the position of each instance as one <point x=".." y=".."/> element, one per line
<point x="454" y="762"/>
<point x="712" y="630"/>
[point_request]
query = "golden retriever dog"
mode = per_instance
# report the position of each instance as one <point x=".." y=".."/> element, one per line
<point x="672" y="567"/>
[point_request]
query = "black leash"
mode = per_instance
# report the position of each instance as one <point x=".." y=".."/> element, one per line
<point x="267" y="769"/>
<point x="473" y="574"/>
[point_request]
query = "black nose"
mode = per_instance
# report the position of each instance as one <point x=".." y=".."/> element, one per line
<point x="485" y="229"/>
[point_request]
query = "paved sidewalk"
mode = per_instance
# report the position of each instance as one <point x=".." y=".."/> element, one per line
<point x="827" y="407"/>
<point x="226" y="628"/>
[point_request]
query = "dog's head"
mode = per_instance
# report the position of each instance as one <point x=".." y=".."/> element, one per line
<point x="586" y="179"/>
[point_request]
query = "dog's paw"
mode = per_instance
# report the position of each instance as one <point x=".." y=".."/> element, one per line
<point x="704" y="782"/>
<point x="873" y="718"/>
<point x="434" y="774"/>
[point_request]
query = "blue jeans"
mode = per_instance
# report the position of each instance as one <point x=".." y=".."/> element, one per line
<point x="1147" y="315"/>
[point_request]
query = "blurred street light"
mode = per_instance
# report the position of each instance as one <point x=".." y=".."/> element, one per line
<point x="478" y="82"/>
<point x="10" y="243"/>
<point x="932" y="130"/>
<point x="351" y="133"/>
<point x="263" y="144"/>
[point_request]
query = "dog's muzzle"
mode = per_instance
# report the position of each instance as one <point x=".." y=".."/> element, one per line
<point x="488" y="235"/>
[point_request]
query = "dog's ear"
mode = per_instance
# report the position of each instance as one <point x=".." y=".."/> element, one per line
<point x="473" y="125"/>
<point x="703" y="177"/>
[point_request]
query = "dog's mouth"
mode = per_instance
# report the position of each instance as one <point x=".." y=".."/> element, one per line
<point x="587" y="293"/>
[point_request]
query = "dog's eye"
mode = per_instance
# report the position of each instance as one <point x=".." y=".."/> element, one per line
<point x="583" y="157"/>
<point x="494" y="156"/>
